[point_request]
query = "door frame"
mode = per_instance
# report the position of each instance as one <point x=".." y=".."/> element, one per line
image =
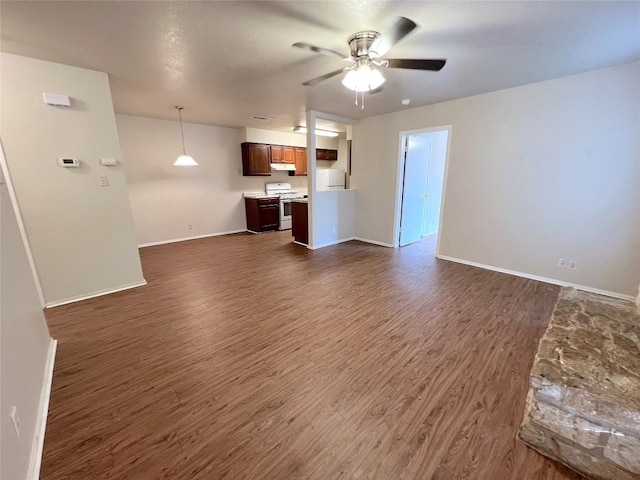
<point x="400" y="176"/>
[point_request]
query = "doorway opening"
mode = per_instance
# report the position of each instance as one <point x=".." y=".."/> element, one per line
<point x="422" y="169"/>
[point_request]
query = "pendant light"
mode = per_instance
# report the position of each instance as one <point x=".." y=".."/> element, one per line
<point x="183" y="160"/>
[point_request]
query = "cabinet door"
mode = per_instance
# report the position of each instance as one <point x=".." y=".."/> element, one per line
<point x="256" y="159"/>
<point x="299" y="220"/>
<point x="277" y="154"/>
<point x="301" y="161"/>
<point x="324" y="154"/>
<point x="288" y="155"/>
<point x="251" y="210"/>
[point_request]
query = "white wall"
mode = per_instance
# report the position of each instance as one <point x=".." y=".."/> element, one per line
<point x="24" y="348"/>
<point x="331" y="213"/>
<point x="81" y="234"/>
<point x="333" y="220"/>
<point x="341" y="163"/>
<point x="535" y="173"/>
<point x="165" y="199"/>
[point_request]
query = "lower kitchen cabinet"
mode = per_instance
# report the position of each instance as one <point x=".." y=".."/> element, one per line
<point x="300" y="222"/>
<point x="263" y="214"/>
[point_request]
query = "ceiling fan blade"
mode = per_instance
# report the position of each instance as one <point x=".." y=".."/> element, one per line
<point x="415" y="64"/>
<point x="315" y="81"/>
<point x="323" y="51"/>
<point x="388" y="39"/>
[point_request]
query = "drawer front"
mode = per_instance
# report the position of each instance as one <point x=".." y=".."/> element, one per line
<point x="268" y="201"/>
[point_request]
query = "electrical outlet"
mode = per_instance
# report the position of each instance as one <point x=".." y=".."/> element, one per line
<point x="104" y="181"/>
<point x="190" y="227"/>
<point x="15" y="420"/>
<point x="562" y="263"/>
<point x="573" y="265"/>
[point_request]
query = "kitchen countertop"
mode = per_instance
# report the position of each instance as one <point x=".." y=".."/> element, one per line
<point x="300" y="200"/>
<point x="258" y="195"/>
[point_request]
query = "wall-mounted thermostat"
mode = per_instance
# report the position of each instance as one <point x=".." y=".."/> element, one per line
<point x="68" y="162"/>
<point x="57" y="100"/>
<point x="108" y="162"/>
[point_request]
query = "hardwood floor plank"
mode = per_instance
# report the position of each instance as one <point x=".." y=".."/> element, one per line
<point x="248" y="357"/>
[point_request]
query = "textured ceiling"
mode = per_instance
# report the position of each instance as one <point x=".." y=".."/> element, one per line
<point x="228" y="61"/>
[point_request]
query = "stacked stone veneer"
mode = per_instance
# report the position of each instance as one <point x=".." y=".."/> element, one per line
<point x="583" y="406"/>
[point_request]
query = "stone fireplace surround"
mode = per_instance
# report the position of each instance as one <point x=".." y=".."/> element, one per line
<point x="583" y="405"/>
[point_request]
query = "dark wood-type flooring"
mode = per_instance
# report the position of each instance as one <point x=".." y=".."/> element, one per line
<point x="249" y="357"/>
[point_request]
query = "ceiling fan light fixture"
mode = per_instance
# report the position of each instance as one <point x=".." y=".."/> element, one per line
<point x="363" y="78"/>
<point x="183" y="160"/>
<point x="320" y="132"/>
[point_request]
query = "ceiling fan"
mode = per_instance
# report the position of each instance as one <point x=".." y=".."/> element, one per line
<point x="367" y="48"/>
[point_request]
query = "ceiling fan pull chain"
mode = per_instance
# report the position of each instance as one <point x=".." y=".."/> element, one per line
<point x="356" y="102"/>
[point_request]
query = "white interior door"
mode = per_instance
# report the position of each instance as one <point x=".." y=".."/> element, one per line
<point x="416" y="165"/>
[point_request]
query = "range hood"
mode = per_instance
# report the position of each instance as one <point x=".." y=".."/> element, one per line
<point x="283" y="166"/>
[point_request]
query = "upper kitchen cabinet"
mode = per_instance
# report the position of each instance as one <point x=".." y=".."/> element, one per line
<point x="256" y="159"/>
<point x="325" y="154"/>
<point x="300" y="155"/>
<point x="282" y="154"/>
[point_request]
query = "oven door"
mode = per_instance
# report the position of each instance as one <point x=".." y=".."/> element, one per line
<point x="285" y="214"/>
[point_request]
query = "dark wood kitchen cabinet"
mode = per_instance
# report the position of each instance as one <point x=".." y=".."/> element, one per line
<point x="300" y="161"/>
<point x="282" y="154"/>
<point x="326" y="154"/>
<point x="300" y="222"/>
<point x="263" y="214"/>
<point x="256" y="159"/>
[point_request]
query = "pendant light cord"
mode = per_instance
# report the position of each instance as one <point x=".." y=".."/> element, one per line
<point x="184" y="150"/>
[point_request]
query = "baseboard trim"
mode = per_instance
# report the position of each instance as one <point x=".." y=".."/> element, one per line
<point x="300" y="243"/>
<point x="99" y="293"/>
<point x="185" y="239"/>
<point x="553" y="281"/>
<point x="37" y="447"/>
<point x="365" y="240"/>
<point x="328" y="244"/>
<point x="374" y="242"/>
